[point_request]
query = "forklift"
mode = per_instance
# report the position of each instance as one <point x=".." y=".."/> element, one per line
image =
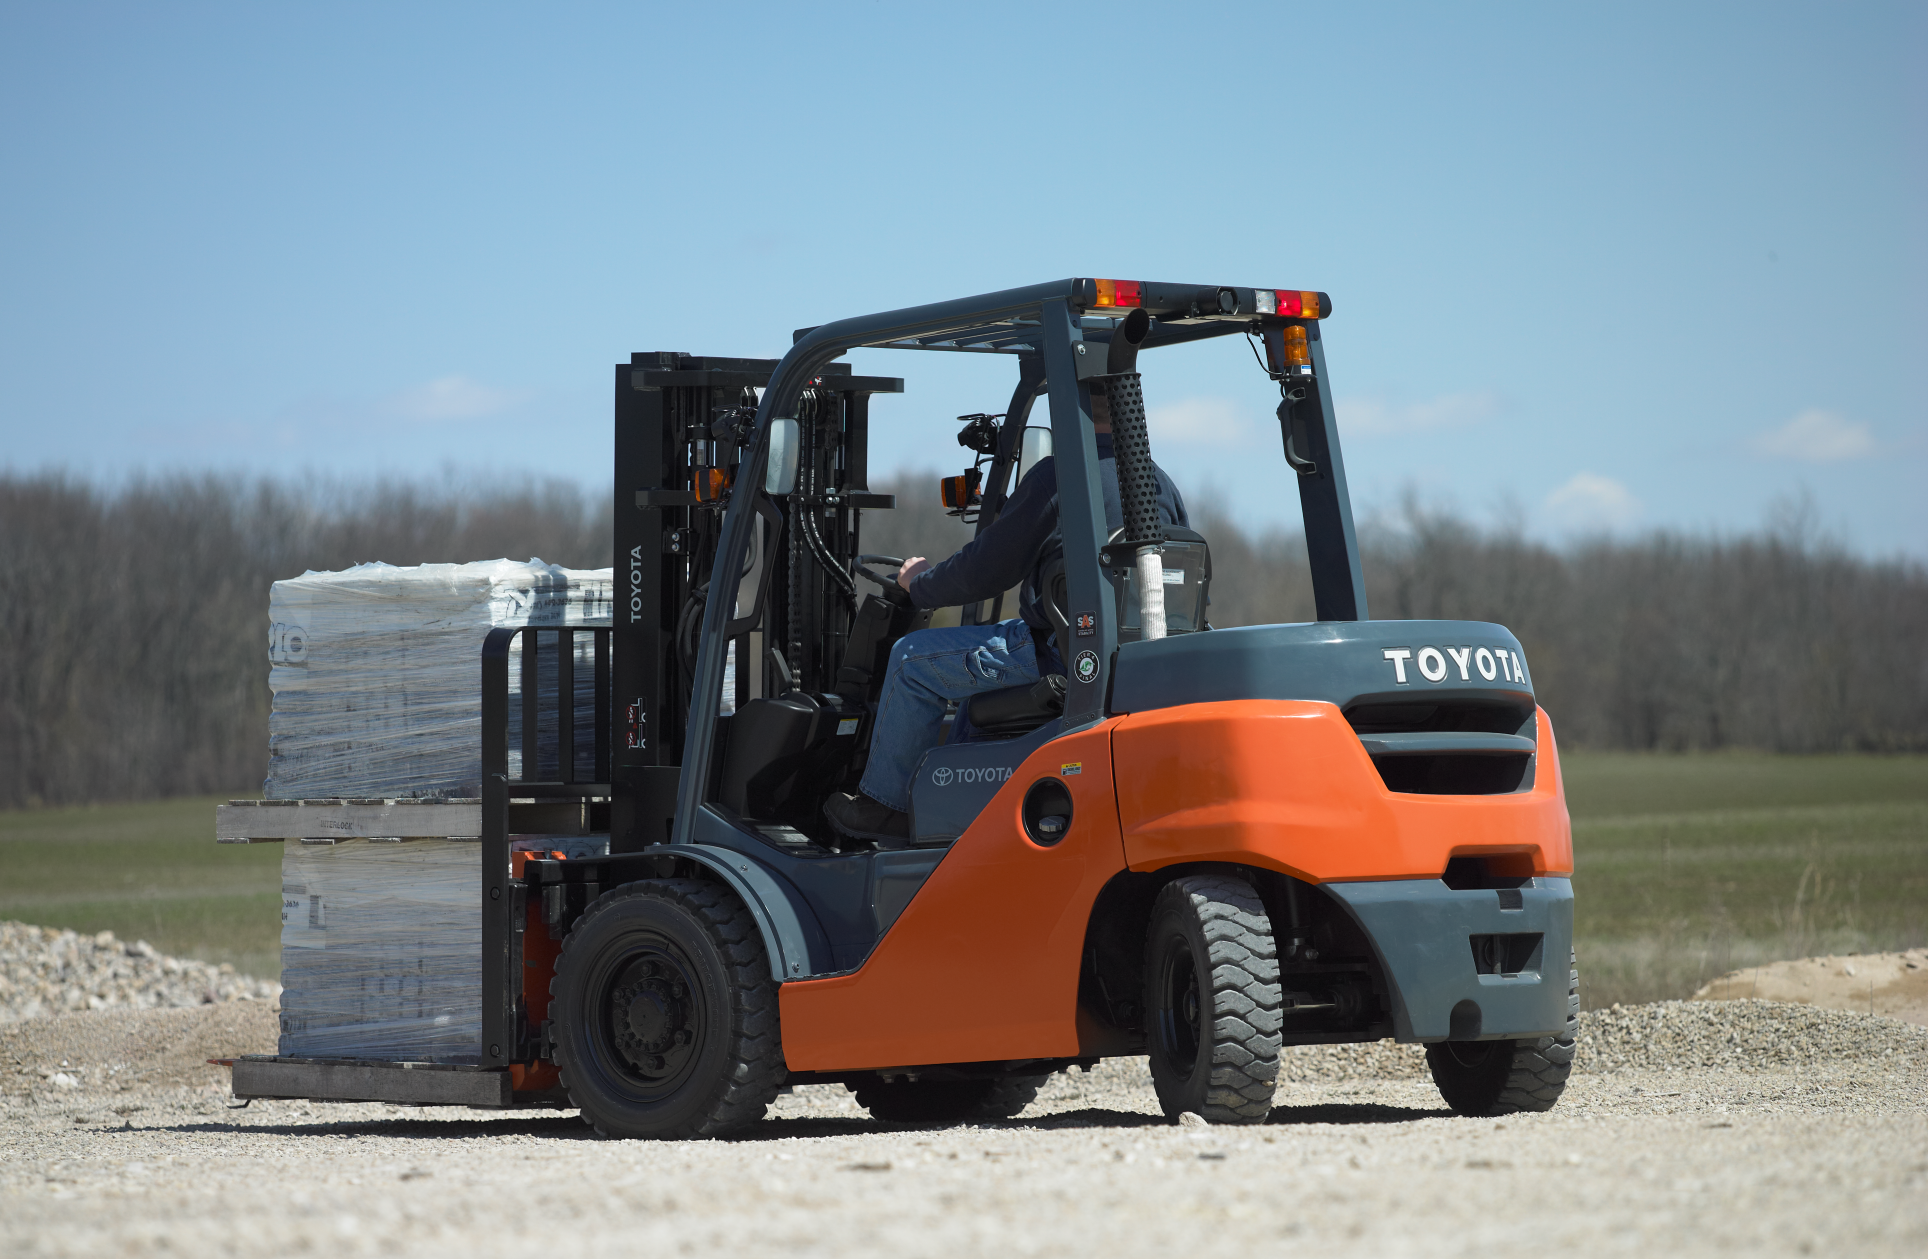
<point x="1198" y="844"/>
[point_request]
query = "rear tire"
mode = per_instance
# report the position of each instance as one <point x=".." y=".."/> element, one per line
<point x="1213" y="1006"/>
<point x="947" y="1101"/>
<point x="665" y="1014"/>
<point x="1505" y="1077"/>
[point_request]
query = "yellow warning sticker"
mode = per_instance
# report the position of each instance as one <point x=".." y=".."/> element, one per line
<point x="1075" y="767"/>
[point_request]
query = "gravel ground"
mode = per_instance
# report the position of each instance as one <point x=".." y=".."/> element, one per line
<point x="44" y="971"/>
<point x="1690" y="1128"/>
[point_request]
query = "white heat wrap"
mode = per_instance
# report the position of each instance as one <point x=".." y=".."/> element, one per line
<point x="376" y="673"/>
<point x="381" y="950"/>
<point x="1151" y="593"/>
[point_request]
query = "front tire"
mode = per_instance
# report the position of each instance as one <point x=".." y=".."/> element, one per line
<point x="1213" y="1007"/>
<point x="1505" y="1077"/>
<point x="665" y="1014"/>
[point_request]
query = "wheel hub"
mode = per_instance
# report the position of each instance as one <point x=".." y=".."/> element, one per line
<point x="1179" y="1023"/>
<point x="652" y="1019"/>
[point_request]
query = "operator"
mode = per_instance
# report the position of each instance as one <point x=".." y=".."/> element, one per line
<point x="932" y="666"/>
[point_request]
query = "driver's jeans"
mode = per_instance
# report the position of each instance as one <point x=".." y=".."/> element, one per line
<point x="927" y="669"/>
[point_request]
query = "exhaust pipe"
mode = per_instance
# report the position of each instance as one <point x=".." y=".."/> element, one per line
<point x="1137" y="485"/>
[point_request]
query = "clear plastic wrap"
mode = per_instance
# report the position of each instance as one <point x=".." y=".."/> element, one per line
<point x="376" y="674"/>
<point x="381" y="950"/>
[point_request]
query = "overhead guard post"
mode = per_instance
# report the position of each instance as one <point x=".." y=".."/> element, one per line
<point x="1331" y="541"/>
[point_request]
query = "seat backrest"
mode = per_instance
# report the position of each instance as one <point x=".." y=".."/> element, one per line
<point x="1188" y="583"/>
<point x="1052" y="598"/>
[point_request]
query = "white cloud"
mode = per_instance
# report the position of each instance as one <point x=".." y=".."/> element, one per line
<point x="1373" y="416"/>
<point x="1817" y="437"/>
<point x="1590" y="501"/>
<point x="1198" y="422"/>
<point x="453" y="398"/>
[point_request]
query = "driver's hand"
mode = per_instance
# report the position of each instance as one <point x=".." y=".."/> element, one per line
<point x="908" y="573"/>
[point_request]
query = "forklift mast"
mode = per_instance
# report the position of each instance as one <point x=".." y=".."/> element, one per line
<point x="682" y="422"/>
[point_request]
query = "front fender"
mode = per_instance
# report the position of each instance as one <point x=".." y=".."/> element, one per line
<point x="795" y="941"/>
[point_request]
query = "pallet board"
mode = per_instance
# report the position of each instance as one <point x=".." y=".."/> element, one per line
<point x="273" y="821"/>
<point x="418" y="1084"/>
<point x="247" y="821"/>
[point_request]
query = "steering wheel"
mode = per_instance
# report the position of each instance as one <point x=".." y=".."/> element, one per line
<point x="891" y="590"/>
<point x="862" y="569"/>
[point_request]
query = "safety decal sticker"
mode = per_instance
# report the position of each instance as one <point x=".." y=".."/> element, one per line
<point x="1073" y="767"/>
<point x="1087" y="666"/>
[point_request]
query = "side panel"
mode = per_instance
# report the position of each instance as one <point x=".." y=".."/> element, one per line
<point x="983" y="963"/>
<point x="1286" y="784"/>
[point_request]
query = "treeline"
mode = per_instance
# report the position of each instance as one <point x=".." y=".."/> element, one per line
<point x="133" y="623"/>
<point x="1778" y="639"/>
<point x="133" y="651"/>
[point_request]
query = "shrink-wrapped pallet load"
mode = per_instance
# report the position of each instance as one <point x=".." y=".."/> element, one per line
<point x="376" y="673"/>
<point x="381" y="950"/>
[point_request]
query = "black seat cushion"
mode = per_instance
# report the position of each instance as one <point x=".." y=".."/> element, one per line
<point x="1016" y="709"/>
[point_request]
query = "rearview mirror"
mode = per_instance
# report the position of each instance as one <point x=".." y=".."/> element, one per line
<point x="780" y="473"/>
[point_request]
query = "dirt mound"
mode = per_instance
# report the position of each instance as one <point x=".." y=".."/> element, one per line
<point x="1892" y="985"/>
<point x="101" y="1052"/>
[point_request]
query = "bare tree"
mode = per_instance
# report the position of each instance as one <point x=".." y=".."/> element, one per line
<point x="133" y="662"/>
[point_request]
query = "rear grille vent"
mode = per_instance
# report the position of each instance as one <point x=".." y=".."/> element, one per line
<point x="1506" y="874"/>
<point x="1487" y="718"/>
<point x="1450" y="774"/>
<point x="1448" y="749"/>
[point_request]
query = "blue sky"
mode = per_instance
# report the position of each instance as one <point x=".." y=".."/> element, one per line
<point x="1593" y="267"/>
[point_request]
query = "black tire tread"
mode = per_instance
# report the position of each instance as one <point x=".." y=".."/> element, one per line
<point x="743" y="1096"/>
<point x="1009" y="1096"/>
<point x="1247" y="1014"/>
<point x="1541" y="1067"/>
<point x="1534" y="1077"/>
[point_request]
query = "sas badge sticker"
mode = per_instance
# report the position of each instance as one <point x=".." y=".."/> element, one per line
<point x="1075" y="767"/>
<point x="1087" y="624"/>
<point x="1086" y="666"/>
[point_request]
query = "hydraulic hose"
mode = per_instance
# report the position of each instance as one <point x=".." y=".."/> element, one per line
<point x="803" y="503"/>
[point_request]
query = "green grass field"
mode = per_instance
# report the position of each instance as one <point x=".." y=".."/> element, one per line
<point x="1688" y="866"/>
<point x="1691" y="866"/>
<point x="146" y="872"/>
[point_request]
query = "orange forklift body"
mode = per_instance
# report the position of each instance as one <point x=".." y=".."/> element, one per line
<point x="984" y="964"/>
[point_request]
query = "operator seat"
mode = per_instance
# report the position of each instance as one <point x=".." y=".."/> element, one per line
<point x="1016" y="710"/>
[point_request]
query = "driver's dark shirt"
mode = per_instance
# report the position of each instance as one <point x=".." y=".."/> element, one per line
<point x="1025" y="537"/>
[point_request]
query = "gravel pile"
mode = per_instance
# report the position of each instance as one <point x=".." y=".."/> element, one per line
<point x="1738" y="1034"/>
<point x="44" y="972"/>
<point x="1659" y="1036"/>
<point x="1352" y="1064"/>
